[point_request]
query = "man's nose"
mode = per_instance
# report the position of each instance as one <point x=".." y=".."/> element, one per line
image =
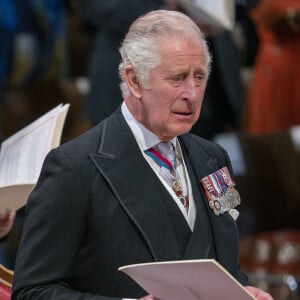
<point x="190" y="89"/>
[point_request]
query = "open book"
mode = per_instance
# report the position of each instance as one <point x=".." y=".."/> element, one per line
<point x="23" y="154"/>
<point x="218" y="14"/>
<point x="203" y="279"/>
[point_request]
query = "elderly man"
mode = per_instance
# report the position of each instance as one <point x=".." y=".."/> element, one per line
<point x="137" y="187"/>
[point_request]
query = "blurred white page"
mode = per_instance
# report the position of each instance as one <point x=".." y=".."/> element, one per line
<point x="295" y="136"/>
<point x="23" y="154"/>
<point x="218" y="14"/>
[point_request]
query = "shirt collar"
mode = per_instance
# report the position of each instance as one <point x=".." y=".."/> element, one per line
<point x="144" y="137"/>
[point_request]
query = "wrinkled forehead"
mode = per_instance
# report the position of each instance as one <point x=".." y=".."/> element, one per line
<point x="181" y="47"/>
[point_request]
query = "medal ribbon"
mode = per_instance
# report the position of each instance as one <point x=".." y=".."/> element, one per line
<point x="218" y="182"/>
<point x="164" y="162"/>
<point x="161" y="160"/>
<point x="220" y="192"/>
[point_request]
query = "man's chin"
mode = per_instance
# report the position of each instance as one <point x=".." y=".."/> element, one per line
<point x="182" y="130"/>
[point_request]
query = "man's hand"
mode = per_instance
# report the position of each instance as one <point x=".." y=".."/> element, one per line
<point x="6" y="223"/>
<point x="258" y="294"/>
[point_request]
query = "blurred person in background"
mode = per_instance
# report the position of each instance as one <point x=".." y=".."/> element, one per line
<point x="273" y="102"/>
<point x="34" y="48"/>
<point x="108" y="21"/>
<point x="8" y="27"/>
<point x="32" y="52"/>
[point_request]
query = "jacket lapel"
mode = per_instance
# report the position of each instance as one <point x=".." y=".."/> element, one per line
<point x="224" y="228"/>
<point x="135" y="186"/>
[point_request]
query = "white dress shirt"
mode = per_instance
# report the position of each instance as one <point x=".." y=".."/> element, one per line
<point x="147" y="139"/>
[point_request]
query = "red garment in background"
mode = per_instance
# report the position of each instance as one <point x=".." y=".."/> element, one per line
<point x="273" y="102"/>
<point x="5" y="291"/>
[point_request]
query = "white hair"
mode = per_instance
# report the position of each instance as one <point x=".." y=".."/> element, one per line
<point x="140" y="47"/>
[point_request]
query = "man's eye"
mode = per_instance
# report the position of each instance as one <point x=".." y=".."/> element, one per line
<point x="200" y="77"/>
<point x="178" y="77"/>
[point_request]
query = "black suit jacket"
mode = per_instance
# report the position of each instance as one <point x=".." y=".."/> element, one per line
<point x="97" y="206"/>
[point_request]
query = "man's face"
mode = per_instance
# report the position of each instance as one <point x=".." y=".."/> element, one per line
<point x="171" y="103"/>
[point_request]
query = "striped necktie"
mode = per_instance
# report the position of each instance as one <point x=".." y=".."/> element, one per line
<point x="164" y="154"/>
<point x="167" y="172"/>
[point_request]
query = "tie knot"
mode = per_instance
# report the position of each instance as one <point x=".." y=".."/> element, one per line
<point x="167" y="150"/>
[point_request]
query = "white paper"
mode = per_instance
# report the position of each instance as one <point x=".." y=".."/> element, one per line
<point x="22" y="156"/>
<point x="219" y="14"/>
<point x="188" y="280"/>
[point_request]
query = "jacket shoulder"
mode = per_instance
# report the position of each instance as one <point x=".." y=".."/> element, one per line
<point x="208" y="146"/>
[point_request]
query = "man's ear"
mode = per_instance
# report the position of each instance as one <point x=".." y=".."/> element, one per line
<point x="132" y="81"/>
